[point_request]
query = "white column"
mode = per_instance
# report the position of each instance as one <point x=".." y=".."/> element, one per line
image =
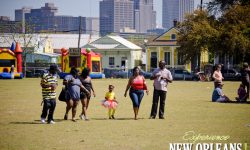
<point x="172" y="57"/>
<point x="146" y="63"/>
<point x="158" y="58"/>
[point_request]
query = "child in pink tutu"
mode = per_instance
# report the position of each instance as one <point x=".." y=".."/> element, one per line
<point x="110" y="102"/>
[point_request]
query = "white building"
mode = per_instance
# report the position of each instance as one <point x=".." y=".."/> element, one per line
<point x="117" y="52"/>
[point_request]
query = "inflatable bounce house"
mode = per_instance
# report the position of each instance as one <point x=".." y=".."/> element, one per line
<point x="11" y="62"/>
<point x="81" y="59"/>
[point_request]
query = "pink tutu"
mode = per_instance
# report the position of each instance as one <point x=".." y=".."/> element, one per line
<point x="109" y="103"/>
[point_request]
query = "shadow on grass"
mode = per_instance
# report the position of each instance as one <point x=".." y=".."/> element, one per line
<point x="115" y="119"/>
<point x="34" y="122"/>
<point x="232" y="102"/>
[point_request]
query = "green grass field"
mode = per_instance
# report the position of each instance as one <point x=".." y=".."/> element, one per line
<point x="188" y="108"/>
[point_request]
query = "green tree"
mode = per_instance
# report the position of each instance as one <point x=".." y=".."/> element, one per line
<point x="196" y="34"/>
<point x="234" y="36"/>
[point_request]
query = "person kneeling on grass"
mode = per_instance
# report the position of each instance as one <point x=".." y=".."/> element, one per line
<point x="218" y="95"/>
<point x="242" y="94"/>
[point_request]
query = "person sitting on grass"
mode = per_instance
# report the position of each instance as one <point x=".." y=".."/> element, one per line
<point x="242" y="94"/>
<point x="110" y="102"/>
<point x="218" y="95"/>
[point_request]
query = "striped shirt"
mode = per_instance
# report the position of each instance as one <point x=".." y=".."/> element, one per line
<point x="48" y="80"/>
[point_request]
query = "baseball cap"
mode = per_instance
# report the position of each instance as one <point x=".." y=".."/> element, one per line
<point x="53" y="67"/>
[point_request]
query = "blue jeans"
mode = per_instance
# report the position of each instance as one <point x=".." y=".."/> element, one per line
<point x="136" y="97"/>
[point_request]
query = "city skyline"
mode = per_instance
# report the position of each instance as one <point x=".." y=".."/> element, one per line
<point x="86" y="8"/>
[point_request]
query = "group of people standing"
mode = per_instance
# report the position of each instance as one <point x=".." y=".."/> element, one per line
<point x="80" y="88"/>
<point x="243" y="91"/>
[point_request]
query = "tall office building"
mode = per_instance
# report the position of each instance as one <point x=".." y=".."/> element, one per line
<point x="175" y="10"/>
<point x="116" y="16"/>
<point x="44" y="19"/>
<point x="145" y="16"/>
<point x="20" y="13"/>
<point x="127" y="15"/>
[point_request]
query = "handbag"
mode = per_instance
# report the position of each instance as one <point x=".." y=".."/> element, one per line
<point x="64" y="95"/>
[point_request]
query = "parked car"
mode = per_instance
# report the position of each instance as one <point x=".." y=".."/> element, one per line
<point x="35" y="73"/>
<point x="146" y="75"/>
<point x="182" y="74"/>
<point x="124" y="74"/>
<point x="231" y="74"/>
<point x="120" y="74"/>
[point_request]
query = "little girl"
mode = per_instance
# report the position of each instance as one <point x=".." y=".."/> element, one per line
<point x="242" y="94"/>
<point x="110" y="102"/>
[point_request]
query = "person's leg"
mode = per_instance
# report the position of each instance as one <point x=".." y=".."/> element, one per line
<point x="113" y="113"/>
<point x="215" y="85"/>
<point x="87" y="104"/>
<point x="84" y="108"/>
<point x="140" y="94"/>
<point x="162" y="104"/>
<point x="136" y="112"/>
<point x="248" y="86"/>
<point x="110" y="113"/>
<point x="44" y="111"/>
<point x="75" y="103"/>
<point x="154" y="104"/>
<point x="134" y="98"/>
<point x="51" y="110"/>
<point x="68" y="107"/>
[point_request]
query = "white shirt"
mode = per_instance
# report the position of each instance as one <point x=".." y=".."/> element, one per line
<point x="161" y="84"/>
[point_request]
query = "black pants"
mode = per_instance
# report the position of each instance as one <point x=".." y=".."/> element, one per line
<point x="48" y="105"/>
<point x="162" y="95"/>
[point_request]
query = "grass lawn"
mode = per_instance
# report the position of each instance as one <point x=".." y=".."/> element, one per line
<point x="188" y="108"/>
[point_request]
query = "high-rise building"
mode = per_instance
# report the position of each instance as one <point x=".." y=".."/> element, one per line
<point x="116" y="15"/>
<point x="20" y="13"/>
<point x="175" y="10"/>
<point x="145" y="16"/>
<point x="126" y="15"/>
<point x="92" y="25"/>
<point x="44" y="19"/>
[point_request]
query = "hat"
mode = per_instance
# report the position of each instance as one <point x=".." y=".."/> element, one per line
<point x="53" y="67"/>
<point x="219" y="83"/>
<point x="245" y="65"/>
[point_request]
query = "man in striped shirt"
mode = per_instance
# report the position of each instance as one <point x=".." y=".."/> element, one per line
<point x="49" y="84"/>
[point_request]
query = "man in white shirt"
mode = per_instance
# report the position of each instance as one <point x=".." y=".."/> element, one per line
<point x="161" y="77"/>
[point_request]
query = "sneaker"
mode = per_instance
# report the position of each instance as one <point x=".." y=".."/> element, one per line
<point x="113" y="117"/>
<point x="74" y="119"/>
<point x="51" y="122"/>
<point x="82" y="117"/>
<point x="152" y="117"/>
<point x="43" y="120"/>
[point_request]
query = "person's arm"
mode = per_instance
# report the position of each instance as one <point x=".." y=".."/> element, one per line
<point x="44" y="82"/>
<point x="153" y="75"/>
<point x="128" y="86"/>
<point x="215" y="76"/>
<point x="145" y="85"/>
<point x="106" y="97"/>
<point x="92" y="88"/>
<point x="83" y="88"/>
<point x="168" y="78"/>
<point x="220" y="92"/>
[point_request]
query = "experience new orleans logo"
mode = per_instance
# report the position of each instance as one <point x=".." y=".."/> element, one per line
<point x="218" y="144"/>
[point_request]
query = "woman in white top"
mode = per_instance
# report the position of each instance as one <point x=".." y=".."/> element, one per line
<point x="217" y="76"/>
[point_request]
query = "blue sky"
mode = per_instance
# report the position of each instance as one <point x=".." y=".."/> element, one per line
<point x="88" y="8"/>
